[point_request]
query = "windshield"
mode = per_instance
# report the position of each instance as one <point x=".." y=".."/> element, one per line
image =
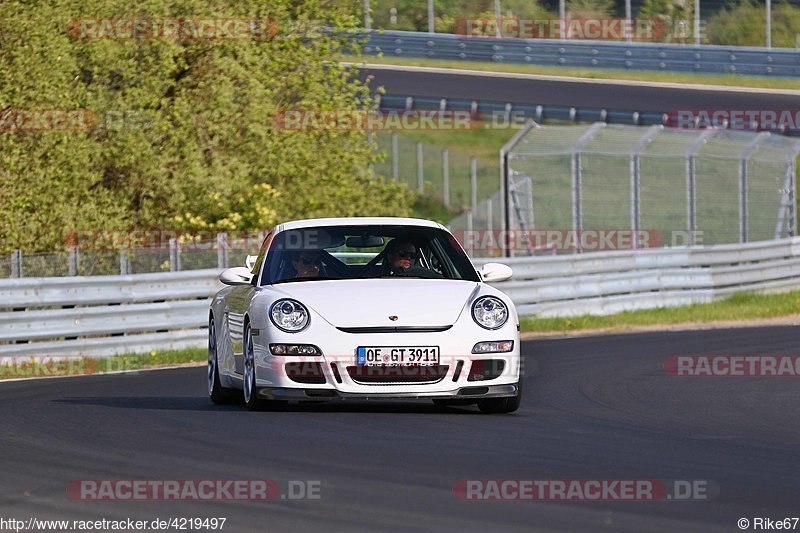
<point x="365" y="252"/>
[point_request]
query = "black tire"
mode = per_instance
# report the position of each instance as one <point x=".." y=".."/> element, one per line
<point x="216" y="392"/>
<point x="453" y="402"/>
<point x="249" y="388"/>
<point x="508" y="404"/>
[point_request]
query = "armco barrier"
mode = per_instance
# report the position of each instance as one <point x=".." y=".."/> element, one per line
<point x="704" y="59"/>
<point x="106" y="315"/>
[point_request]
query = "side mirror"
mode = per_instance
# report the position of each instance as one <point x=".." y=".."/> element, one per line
<point x="493" y="272"/>
<point x="249" y="261"/>
<point x="235" y="276"/>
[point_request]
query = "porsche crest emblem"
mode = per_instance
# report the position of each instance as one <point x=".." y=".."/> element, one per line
<point x="393" y="318"/>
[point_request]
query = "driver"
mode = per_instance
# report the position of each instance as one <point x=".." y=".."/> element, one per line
<point x="307" y="264"/>
<point x="401" y="257"/>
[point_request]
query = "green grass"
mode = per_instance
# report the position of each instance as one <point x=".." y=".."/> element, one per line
<point x="744" y="306"/>
<point x="36" y="366"/>
<point x="729" y="80"/>
<point x="483" y="144"/>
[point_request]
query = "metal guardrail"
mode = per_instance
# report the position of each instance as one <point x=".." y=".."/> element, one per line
<point x="506" y="113"/>
<point x="610" y="282"/>
<point x="107" y="315"/>
<point x="703" y="59"/>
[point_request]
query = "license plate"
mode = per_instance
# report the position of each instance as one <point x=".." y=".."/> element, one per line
<point x="397" y="355"/>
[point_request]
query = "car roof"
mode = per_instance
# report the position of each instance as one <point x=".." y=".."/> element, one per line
<point x="359" y="221"/>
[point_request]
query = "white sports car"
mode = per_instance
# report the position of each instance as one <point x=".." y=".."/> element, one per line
<point x="364" y="308"/>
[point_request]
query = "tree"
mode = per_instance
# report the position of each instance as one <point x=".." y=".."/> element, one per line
<point x="181" y="132"/>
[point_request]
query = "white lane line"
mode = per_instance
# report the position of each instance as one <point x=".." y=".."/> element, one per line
<point x="544" y="77"/>
<point x="150" y="369"/>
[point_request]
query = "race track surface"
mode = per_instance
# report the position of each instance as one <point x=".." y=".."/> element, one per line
<point x="595" y="408"/>
<point x="603" y="95"/>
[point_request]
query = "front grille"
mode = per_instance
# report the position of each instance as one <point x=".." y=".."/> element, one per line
<point x="387" y="375"/>
<point x="396" y="329"/>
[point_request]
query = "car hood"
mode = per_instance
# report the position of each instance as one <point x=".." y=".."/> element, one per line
<point x="370" y="302"/>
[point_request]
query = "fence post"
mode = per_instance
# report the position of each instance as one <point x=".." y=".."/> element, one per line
<point x="395" y="162"/>
<point x="446" y="176"/>
<point x="16" y="264"/>
<point x="124" y="263"/>
<point x="371" y="165"/>
<point x="473" y="182"/>
<point x="174" y="255"/>
<point x="420" y="177"/>
<point x="743" y="196"/>
<point x="691" y="183"/>
<point x="470" y="233"/>
<point x="636" y="181"/>
<point x="73" y="261"/>
<point x="222" y="251"/>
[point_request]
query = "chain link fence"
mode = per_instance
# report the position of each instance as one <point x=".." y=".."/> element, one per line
<point x="455" y="178"/>
<point x="176" y="254"/>
<point x="649" y="186"/>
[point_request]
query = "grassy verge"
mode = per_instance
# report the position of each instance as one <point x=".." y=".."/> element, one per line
<point x="729" y="80"/>
<point x="739" y="307"/>
<point x="37" y="366"/>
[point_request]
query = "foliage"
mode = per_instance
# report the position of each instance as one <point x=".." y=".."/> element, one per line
<point x="184" y="136"/>
<point x="743" y="24"/>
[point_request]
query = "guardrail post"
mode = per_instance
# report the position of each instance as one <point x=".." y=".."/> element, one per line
<point x="222" y="251"/>
<point x="174" y="255"/>
<point x="420" y="177"/>
<point x="395" y="162"/>
<point x="16" y="264"/>
<point x="446" y="177"/>
<point x="73" y="260"/>
<point x="124" y="263"/>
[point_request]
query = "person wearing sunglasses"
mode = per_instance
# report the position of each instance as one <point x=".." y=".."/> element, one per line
<point x="401" y="259"/>
<point x="307" y="264"/>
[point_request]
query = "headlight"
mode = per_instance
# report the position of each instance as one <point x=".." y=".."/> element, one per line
<point x="289" y="315"/>
<point x="489" y="312"/>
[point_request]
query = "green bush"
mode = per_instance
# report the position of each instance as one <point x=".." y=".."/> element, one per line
<point x="185" y="136"/>
<point x="744" y="24"/>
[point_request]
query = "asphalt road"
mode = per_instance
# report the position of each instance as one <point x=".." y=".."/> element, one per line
<point x="595" y="408"/>
<point x="624" y="97"/>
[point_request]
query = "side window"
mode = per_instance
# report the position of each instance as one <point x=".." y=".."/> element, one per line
<point x="262" y="254"/>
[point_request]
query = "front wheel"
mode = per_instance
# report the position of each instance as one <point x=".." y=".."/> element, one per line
<point x="251" y="398"/>
<point x="508" y="404"/>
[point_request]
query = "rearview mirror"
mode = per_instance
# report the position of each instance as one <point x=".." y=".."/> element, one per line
<point x="235" y="276"/>
<point x="493" y="272"/>
<point x="364" y="241"/>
